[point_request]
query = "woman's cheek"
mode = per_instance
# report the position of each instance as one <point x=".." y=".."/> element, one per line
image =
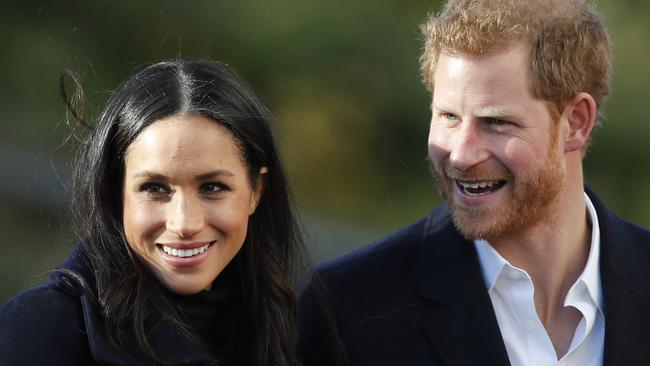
<point x="231" y="220"/>
<point x="143" y="223"/>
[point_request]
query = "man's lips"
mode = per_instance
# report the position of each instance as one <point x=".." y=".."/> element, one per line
<point x="479" y="187"/>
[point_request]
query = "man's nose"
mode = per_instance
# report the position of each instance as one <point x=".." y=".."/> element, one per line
<point x="185" y="216"/>
<point x="467" y="146"/>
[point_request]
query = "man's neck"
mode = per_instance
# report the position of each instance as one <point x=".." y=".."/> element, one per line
<point x="553" y="252"/>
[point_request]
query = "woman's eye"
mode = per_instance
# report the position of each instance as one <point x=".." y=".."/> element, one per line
<point x="154" y="188"/>
<point x="213" y="187"/>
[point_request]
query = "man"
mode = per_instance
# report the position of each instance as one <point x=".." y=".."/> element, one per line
<point x="520" y="266"/>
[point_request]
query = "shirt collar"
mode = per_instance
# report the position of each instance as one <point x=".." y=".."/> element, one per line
<point x="492" y="263"/>
<point x="591" y="274"/>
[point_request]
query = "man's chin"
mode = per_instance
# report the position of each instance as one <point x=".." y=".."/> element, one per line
<point x="479" y="223"/>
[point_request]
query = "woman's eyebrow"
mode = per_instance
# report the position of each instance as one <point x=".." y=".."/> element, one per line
<point x="203" y="176"/>
<point x="148" y="174"/>
<point x="215" y="173"/>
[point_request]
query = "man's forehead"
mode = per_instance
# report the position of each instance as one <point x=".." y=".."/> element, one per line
<point x="453" y="64"/>
<point x="488" y="73"/>
<point x="523" y="46"/>
<point x="476" y="110"/>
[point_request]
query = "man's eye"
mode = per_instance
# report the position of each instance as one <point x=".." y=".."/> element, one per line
<point x="213" y="187"/>
<point x="497" y="122"/>
<point x="154" y="188"/>
<point x="449" y="116"/>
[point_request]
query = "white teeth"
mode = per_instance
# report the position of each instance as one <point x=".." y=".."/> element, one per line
<point x="476" y="185"/>
<point x="182" y="253"/>
<point x="484" y="184"/>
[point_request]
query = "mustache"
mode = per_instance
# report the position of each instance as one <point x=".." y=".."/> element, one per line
<point x="482" y="172"/>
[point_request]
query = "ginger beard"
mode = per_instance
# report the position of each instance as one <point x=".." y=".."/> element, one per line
<point x="531" y="197"/>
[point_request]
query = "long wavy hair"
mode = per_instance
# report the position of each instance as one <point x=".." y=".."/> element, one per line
<point x="126" y="293"/>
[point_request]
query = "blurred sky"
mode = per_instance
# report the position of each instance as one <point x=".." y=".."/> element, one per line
<point x="341" y="78"/>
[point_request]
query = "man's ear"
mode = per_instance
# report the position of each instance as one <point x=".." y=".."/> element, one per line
<point x="258" y="189"/>
<point x="580" y="114"/>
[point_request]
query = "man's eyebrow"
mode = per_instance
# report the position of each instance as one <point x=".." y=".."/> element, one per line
<point x="495" y="111"/>
<point x="436" y="107"/>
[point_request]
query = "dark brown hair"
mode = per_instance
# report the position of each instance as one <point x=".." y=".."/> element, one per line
<point x="125" y="291"/>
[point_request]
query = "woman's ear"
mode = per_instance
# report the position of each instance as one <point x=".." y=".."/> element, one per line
<point x="580" y="114"/>
<point x="258" y="189"/>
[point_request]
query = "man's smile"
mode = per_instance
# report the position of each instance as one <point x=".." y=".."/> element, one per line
<point x="477" y="188"/>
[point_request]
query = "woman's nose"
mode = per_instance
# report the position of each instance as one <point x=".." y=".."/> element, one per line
<point x="185" y="216"/>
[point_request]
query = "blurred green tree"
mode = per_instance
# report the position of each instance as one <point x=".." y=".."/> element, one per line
<point x="341" y="77"/>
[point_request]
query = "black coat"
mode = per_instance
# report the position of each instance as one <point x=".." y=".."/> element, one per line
<point x="58" y="324"/>
<point x="418" y="297"/>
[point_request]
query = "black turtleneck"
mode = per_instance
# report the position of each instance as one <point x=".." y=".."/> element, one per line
<point x="214" y="315"/>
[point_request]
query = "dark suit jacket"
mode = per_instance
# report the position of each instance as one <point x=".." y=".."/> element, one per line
<point x="417" y="297"/>
<point x="58" y="324"/>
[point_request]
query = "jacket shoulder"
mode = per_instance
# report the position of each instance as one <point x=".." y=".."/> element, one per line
<point x="396" y="251"/>
<point x="641" y="234"/>
<point x="385" y="251"/>
<point x="43" y="325"/>
<point x="378" y="281"/>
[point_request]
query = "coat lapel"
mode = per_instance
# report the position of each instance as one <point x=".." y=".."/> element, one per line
<point x="625" y="273"/>
<point x="464" y="327"/>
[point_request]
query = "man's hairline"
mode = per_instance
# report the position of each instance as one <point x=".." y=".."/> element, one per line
<point x="506" y="46"/>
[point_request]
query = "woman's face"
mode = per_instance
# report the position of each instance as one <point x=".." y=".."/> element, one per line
<point x="187" y="199"/>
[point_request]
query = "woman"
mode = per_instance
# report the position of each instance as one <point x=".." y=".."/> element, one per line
<point x="189" y="238"/>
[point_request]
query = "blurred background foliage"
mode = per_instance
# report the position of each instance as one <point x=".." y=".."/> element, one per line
<point x="340" y="76"/>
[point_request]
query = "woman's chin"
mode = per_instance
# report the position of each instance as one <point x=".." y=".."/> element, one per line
<point x="186" y="285"/>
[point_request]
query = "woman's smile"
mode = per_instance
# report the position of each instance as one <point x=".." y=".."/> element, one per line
<point x="187" y="256"/>
<point x="183" y="251"/>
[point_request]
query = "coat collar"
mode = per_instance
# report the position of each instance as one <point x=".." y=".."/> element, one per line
<point x="625" y="274"/>
<point x="166" y="340"/>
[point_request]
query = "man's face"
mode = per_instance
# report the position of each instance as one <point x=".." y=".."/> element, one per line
<point x="493" y="147"/>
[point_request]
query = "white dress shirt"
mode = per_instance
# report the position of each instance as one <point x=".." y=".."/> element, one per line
<point x="511" y="291"/>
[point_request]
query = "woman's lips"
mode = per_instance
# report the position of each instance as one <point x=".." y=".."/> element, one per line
<point x="185" y="255"/>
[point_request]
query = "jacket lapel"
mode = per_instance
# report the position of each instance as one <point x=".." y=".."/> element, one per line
<point x="625" y="273"/>
<point x="464" y="328"/>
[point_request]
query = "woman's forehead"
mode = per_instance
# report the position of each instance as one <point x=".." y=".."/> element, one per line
<point x="184" y="142"/>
